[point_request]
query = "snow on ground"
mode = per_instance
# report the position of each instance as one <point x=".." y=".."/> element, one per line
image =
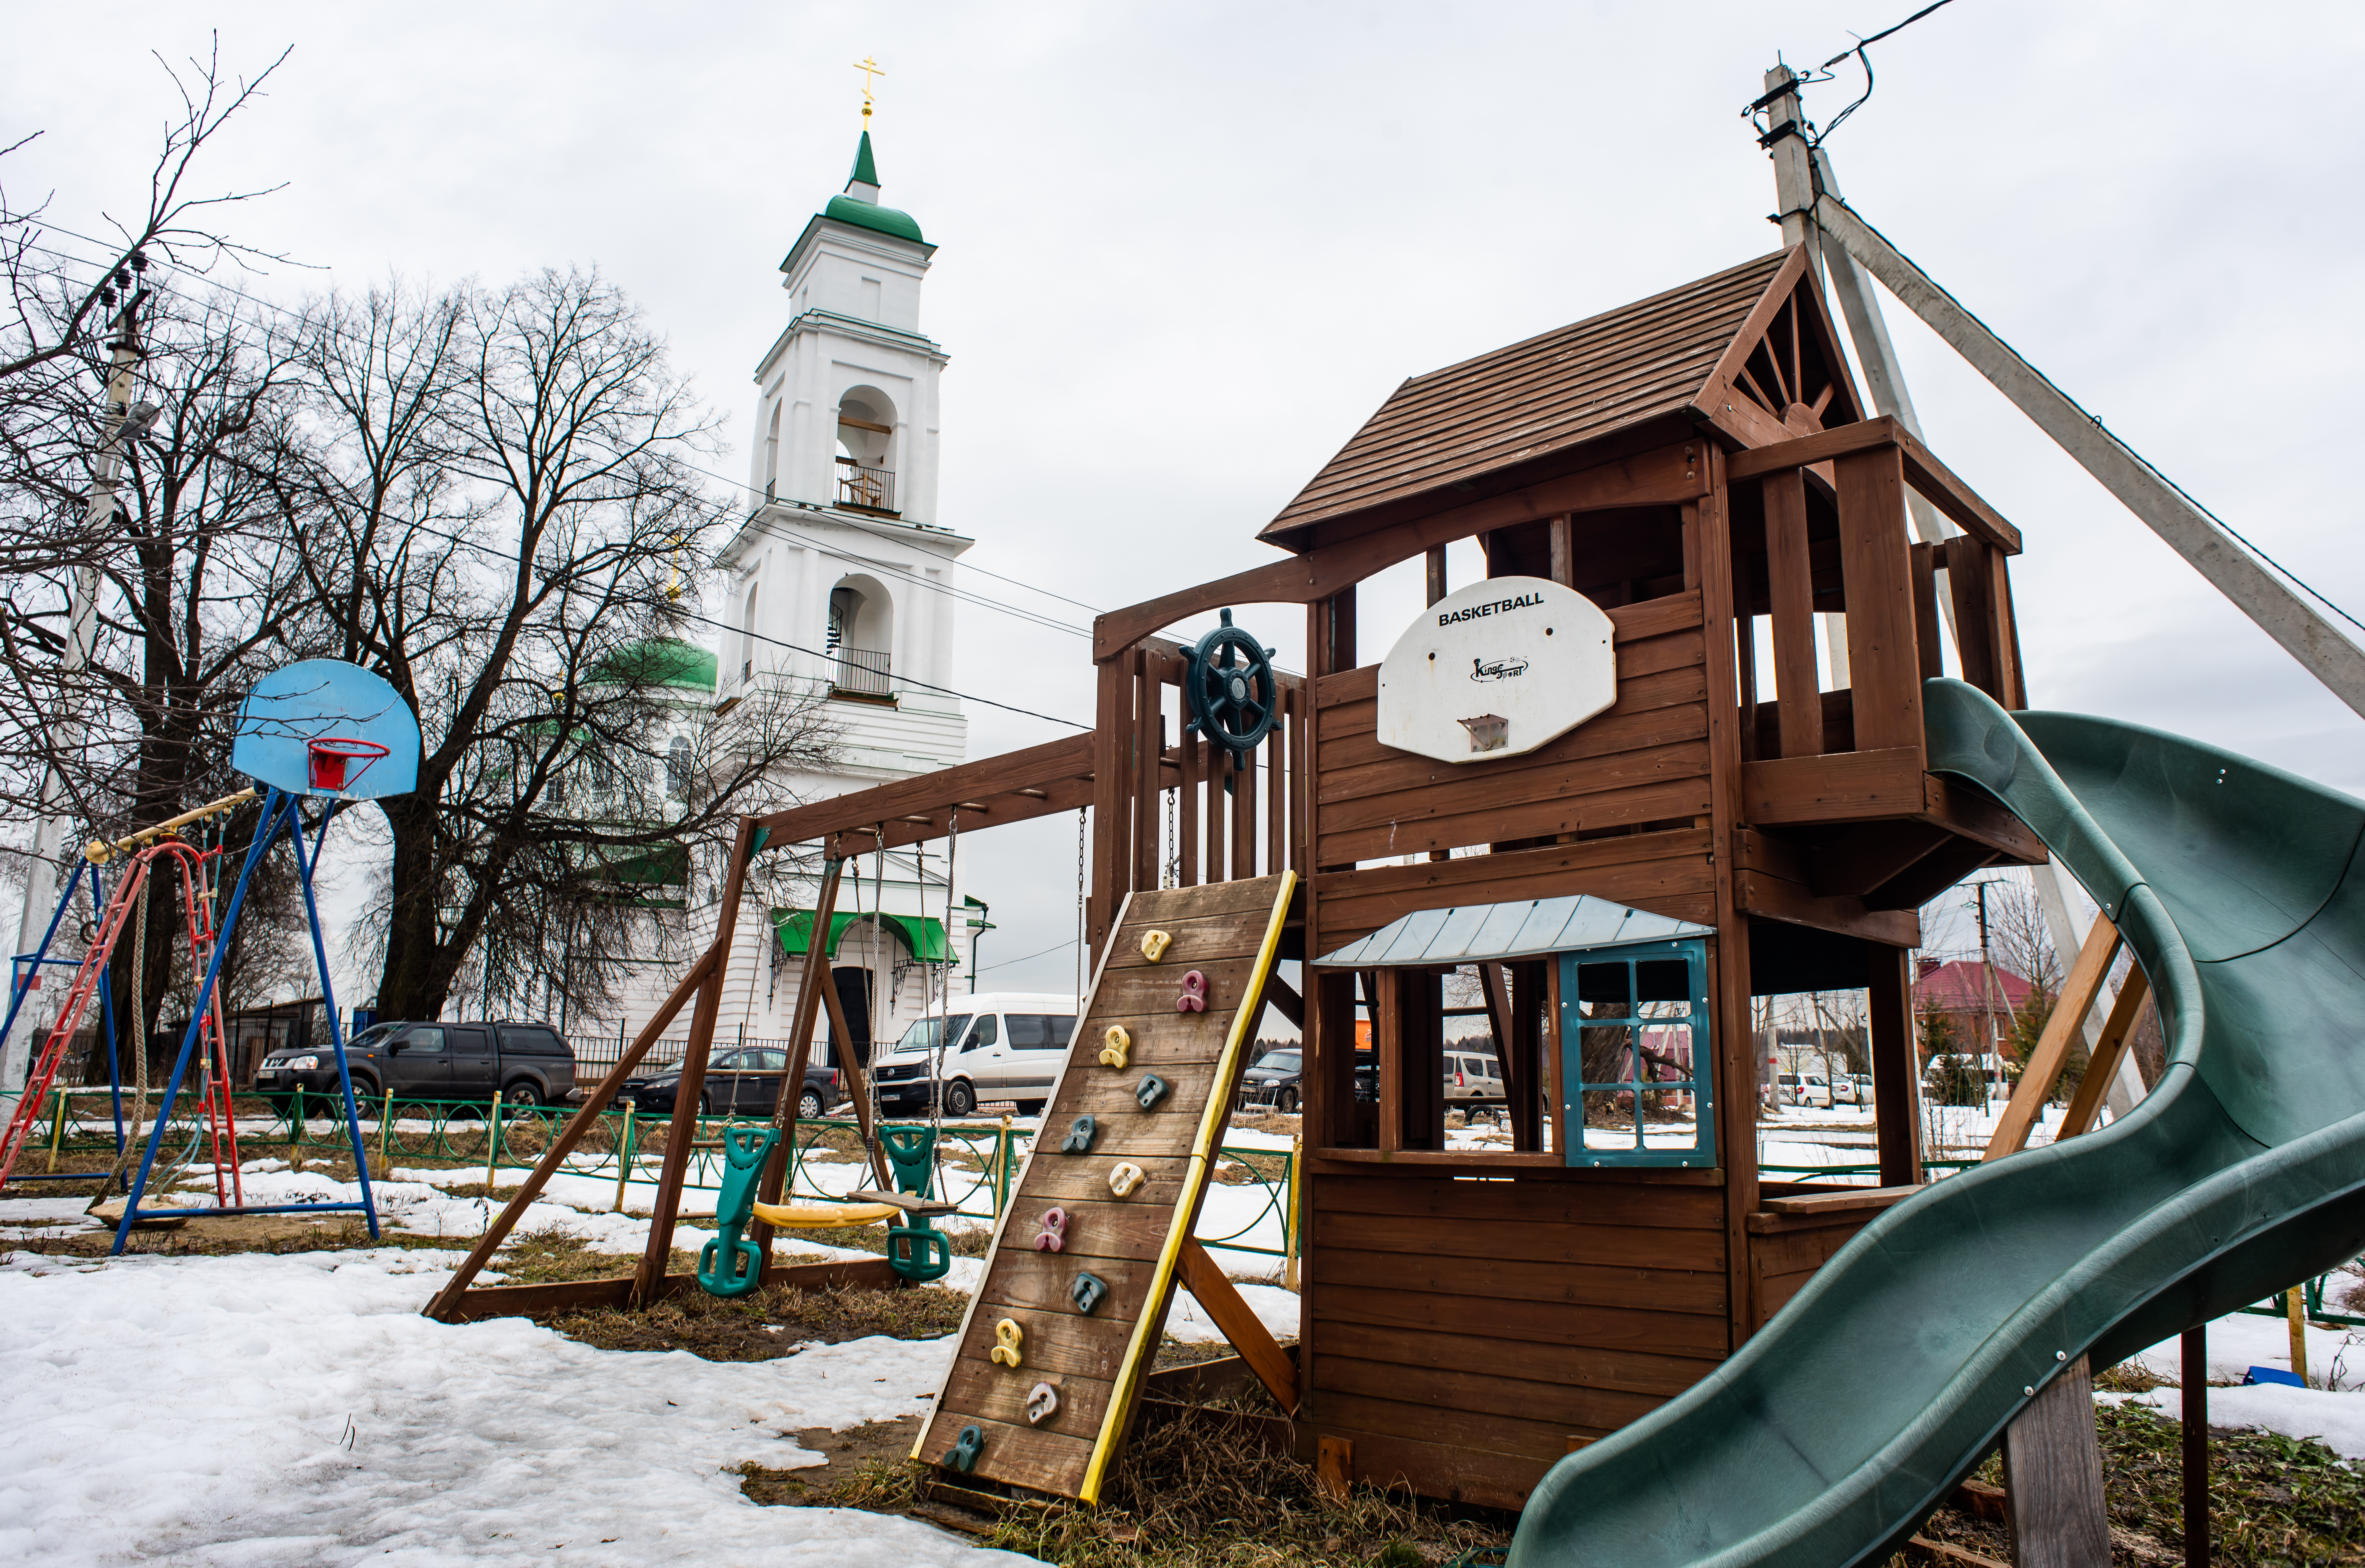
<point x="262" y="1411"/>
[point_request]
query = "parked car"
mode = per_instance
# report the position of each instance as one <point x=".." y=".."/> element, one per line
<point x="1844" y="1089"/>
<point x="1804" y="1089"/>
<point x="1003" y="1046"/>
<point x="525" y="1064"/>
<point x="1276" y="1079"/>
<point x="742" y="1081"/>
<point x="1472" y="1077"/>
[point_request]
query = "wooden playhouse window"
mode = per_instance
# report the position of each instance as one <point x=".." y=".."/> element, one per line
<point x="1635" y="1057"/>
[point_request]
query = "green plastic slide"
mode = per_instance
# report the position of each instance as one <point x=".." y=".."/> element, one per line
<point x="1831" y="1434"/>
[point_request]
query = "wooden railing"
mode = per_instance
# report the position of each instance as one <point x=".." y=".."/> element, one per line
<point x="1820" y="527"/>
<point x="1193" y="817"/>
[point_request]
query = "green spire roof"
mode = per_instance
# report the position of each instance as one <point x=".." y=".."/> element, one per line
<point x="864" y="211"/>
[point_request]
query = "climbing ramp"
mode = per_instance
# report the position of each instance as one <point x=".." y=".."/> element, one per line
<point x="1058" y="1337"/>
<point x="1828" y="1437"/>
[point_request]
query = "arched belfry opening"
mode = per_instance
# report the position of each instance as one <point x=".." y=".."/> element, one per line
<point x="866" y="451"/>
<point x="861" y="639"/>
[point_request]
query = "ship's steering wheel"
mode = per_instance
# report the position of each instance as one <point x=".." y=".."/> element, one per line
<point x="1231" y="690"/>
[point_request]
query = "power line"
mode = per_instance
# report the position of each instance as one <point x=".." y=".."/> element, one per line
<point x="721" y="511"/>
<point x="1885" y="32"/>
<point x="1055" y="947"/>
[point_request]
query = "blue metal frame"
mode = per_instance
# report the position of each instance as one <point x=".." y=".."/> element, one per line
<point x="1693" y="952"/>
<point x="280" y="814"/>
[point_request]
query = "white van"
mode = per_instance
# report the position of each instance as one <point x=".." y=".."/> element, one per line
<point x="1003" y="1044"/>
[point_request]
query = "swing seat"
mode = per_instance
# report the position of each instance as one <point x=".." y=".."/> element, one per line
<point x="730" y="1264"/>
<point x="919" y="1252"/>
<point x="827" y="1217"/>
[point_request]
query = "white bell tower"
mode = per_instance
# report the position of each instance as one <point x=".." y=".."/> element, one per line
<point x="841" y="576"/>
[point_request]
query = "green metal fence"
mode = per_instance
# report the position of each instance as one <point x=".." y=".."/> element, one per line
<point x="977" y="1164"/>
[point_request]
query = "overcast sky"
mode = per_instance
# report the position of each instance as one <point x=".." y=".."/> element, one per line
<point x="1185" y="250"/>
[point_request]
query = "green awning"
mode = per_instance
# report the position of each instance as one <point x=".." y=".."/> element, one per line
<point x="923" y="935"/>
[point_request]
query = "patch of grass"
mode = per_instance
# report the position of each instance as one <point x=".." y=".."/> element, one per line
<point x="219" y="1239"/>
<point x="552" y="1257"/>
<point x="1189" y="1495"/>
<point x="2274" y="1502"/>
<point x="765" y="1324"/>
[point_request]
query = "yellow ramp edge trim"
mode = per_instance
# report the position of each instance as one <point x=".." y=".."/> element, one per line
<point x="1186" y="1204"/>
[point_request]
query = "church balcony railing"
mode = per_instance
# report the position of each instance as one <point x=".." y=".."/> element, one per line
<point x="861" y="673"/>
<point x="866" y="486"/>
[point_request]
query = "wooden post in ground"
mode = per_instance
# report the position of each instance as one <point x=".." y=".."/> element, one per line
<point x="2053" y="1472"/>
<point x="859" y="1084"/>
<point x="2196" y="1446"/>
<point x="1896" y="1070"/>
<point x="813" y="979"/>
<point x="683" y="1129"/>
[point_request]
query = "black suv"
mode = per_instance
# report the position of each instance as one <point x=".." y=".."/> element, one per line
<point x="743" y="1081"/>
<point x="525" y="1064"/>
<point x="1276" y="1079"/>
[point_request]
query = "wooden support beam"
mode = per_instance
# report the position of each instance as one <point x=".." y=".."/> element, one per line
<point x="2053" y="1476"/>
<point x="675" y="1170"/>
<point x="802" y="1019"/>
<point x="1663" y="477"/>
<point x="2052" y="1052"/>
<point x="446" y="1301"/>
<point x="1797" y="687"/>
<point x="1896" y="1068"/>
<point x="1213" y="1290"/>
<point x="1928" y="476"/>
<point x="2103" y="1059"/>
<point x="1284" y="998"/>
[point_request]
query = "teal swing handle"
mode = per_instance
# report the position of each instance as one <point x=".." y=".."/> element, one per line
<point x="731" y="1264"/>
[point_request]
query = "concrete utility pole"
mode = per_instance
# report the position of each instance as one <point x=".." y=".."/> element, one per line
<point x="46" y="856"/>
<point x="1803" y="176"/>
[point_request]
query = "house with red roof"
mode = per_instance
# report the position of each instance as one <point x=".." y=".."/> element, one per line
<point x="1978" y="1000"/>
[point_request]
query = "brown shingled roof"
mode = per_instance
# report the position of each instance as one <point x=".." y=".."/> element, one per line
<point x="1561" y="389"/>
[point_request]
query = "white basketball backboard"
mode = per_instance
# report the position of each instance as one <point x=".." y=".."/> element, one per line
<point x="1494" y="669"/>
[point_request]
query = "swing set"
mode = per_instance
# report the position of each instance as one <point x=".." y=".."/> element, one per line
<point x="321" y="729"/>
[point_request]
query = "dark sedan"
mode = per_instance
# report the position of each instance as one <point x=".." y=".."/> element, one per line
<point x="740" y="1082"/>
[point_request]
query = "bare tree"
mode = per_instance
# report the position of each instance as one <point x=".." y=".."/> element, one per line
<point x="511" y="521"/>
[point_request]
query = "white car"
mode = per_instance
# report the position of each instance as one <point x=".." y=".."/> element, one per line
<point x="1844" y="1090"/>
<point x="1003" y="1046"/>
<point x="1804" y="1089"/>
<point x="1469" y="1076"/>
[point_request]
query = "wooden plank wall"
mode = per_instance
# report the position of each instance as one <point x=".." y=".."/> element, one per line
<point x="1465" y="1331"/>
<point x="1785" y="1251"/>
<point x="1625" y="792"/>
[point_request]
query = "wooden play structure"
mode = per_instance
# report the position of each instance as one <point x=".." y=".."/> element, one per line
<point x="1697" y="467"/>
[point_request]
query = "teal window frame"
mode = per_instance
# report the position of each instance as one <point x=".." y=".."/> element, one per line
<point x="1701" y="1084"/>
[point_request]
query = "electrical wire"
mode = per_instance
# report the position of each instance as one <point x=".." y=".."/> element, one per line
<point x="1054" y="947"/>
<point x="719" y="510"/>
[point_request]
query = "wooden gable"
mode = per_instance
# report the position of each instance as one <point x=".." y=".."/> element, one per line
<point x="1748" y="351"/>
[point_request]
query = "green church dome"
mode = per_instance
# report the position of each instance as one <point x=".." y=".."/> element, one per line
<point x="871" y="214"/>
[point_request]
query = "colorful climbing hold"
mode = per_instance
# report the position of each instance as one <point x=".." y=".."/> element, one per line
<point x="1194" y="994"/>
<point x="965" y="1451"/>
<point x="1086" y="1291"/>
<point x="1080" y="1137"/>
<point x="1151" y="1090"/>
<point x="1055" y="1231"/>
<point x="1042" y="1402"/>
<point x="1115" y="1045"/>
<point x="1125" y="1178"/>
<point x="1154" y="944"/>
<point x="1008" y="1342"/>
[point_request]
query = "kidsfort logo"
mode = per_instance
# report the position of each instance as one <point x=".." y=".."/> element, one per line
<point x="1496" y="607"/>
<point x="1497" y="669"/>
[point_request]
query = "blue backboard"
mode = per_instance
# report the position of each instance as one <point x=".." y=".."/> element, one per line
<point x="325" y="727"/>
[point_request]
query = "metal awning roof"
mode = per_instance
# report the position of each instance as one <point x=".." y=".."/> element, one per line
<point x="1491" y="933"/>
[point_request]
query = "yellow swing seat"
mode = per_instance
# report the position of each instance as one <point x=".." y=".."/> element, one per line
<point x="827" y="1217"/>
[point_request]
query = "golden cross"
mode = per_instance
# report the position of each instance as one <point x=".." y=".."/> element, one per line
<point x="869" y="68"/>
